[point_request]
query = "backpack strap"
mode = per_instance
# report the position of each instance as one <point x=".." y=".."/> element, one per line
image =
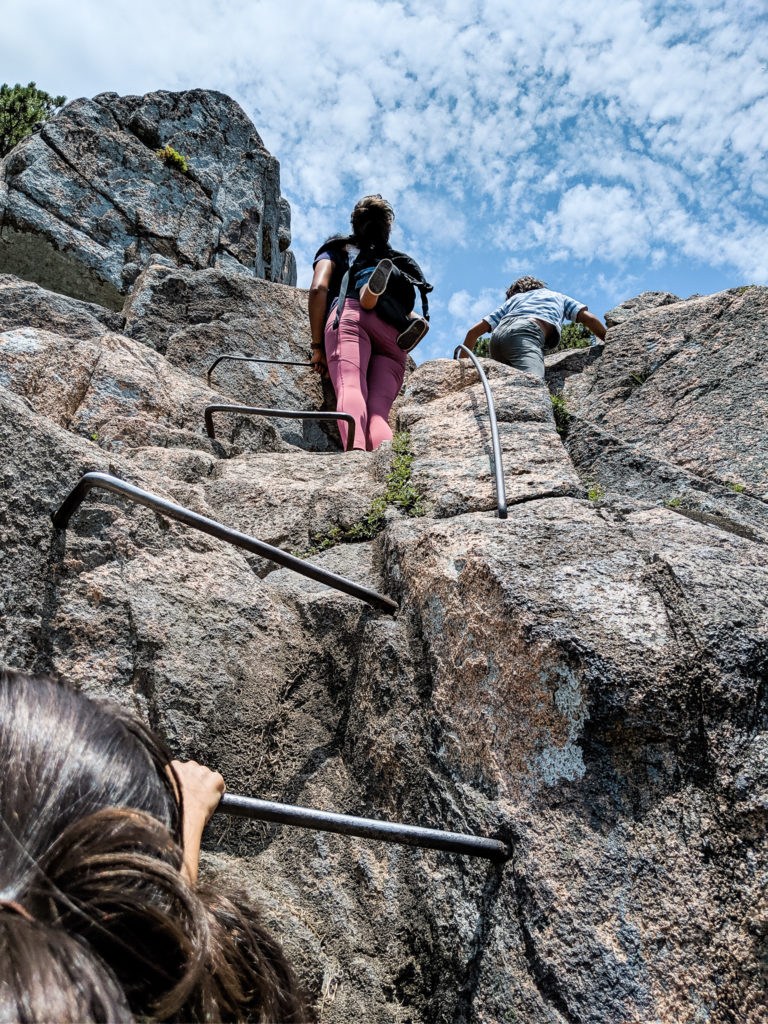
<point x="342" y="298"/>
<point x="411" y="270"/>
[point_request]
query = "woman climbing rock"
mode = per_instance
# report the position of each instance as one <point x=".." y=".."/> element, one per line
<point x="362" y="320"/>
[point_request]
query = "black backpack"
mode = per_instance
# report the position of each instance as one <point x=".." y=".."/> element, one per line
<point x="400" y="296"/>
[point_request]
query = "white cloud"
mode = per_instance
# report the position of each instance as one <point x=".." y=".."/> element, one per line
<point x="467" y="309"/>
<point x="575" y="130"/>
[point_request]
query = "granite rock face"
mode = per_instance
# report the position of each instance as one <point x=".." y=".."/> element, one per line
<point x="585" y="679"/>
<point x="86" y="203"/>
<point x="639" y="304"/>
<point x="676" y="409"/>
<point x="194" y="317"/>
<point x="443" y="406"/>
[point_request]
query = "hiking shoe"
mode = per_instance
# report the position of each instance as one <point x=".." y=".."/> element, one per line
<point x="413" y="334"/>
<point x="377" y="282"/>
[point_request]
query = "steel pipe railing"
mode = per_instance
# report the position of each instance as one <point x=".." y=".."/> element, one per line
<point x="288" y="414"/>
<point x="252" y="359"/>
<point x="501" y="493"/>
<point x="71" y="503"/>
<point x="367" y="828"/>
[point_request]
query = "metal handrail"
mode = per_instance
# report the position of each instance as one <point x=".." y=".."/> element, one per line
<point x="501" y="494"/>
<point x="368" y="828"/>
<point x="71" y="503"/>
<point x="252" y="359"/>
<point x="288" y="414"/>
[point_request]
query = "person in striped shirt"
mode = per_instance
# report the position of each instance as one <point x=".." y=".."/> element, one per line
<point x="528" y="323"/>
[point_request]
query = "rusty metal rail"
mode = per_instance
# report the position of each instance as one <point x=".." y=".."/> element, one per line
<point x="289" y="414"/>
<point x="252" y="359"/>
<point x="367" y="828"/>
<point x="501" y="493"/>
<point x="72" y="502"/>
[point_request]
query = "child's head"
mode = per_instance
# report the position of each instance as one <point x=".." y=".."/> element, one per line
<point x="96" y="920"/>
<point x="524" y="284"/>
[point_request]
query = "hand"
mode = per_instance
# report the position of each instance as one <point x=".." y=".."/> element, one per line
<point x="201" y="790"/>
<point x="319" y="365"/>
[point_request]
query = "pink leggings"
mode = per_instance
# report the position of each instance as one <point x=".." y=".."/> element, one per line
<point x="367" y="370"/>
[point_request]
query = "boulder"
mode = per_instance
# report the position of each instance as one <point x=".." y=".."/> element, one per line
<point x="24" y="304"/>
<point x="195" y="317"/>
<point x="86" y="201"/>
<point x="444" y="408"/>
<point x="639" y="304"/>
<point x="559" y="366"/>
<point x="675" y="410"/>
<point x="593" y="677"/>
<point x="119" y="393"/>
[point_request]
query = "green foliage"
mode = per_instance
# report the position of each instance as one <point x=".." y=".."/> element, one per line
<point x="574" y="336"/>
<point x="673" y="503"/>
<point x="744" y="288"/>
<point x="639" y="378"/>
<point x="595" y="491"/>
<point x="21" y="108"/>
<point x="560" y="410"/>
<point x="483" y="346"/>
<point x="400" y="493"/>
<point x="171" y="158"/>
<point x="738" y="488"/>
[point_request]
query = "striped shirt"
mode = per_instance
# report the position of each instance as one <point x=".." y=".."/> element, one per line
<point x="552" y="307"/>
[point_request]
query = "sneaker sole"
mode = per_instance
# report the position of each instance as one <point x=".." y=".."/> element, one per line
<point x="377" y="282"/>
<point x="412" y="335"/>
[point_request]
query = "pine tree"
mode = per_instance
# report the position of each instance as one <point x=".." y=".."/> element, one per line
<point x="21" y="108"/>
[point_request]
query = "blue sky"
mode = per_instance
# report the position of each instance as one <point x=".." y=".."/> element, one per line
<point x="607" y="148"/>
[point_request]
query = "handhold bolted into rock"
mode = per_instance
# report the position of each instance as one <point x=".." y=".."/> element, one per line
<point x="289" y="414"/>
<point x="252" y="359"/>
<point x="501" y="494"/>
<point x="71" y="503"/>
<point x="368" y="828"/>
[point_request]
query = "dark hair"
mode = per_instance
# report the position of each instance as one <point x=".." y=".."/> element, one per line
<point x="96" y="921"/>
<point x="525" y="284"/>
<point x="371" y="221"/>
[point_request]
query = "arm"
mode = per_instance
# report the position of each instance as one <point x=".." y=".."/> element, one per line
<point x="201" y="790"/>
<point x="480" y="328"/>
<point x="318" y="297"/>
<point x="592" y="323"/>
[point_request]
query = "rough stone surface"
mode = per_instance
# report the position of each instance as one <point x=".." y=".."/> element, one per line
<point x="585" y="679"/>
<point x="118" y="393"/>
<point x="24" y="304"/>
<point x="445" y="409"/>
<point x="644" y="301"/>
<point x="676" y="408"/>
<point x="85" y="202"/>
<point x="559" y="366"/>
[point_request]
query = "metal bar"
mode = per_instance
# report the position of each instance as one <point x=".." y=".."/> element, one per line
<point x="289" y="414"/>
<point x="368" y="828"/>
<point x="253" y="359"/>
<point x="501" y="493"/>
<point x="71" y="503"/>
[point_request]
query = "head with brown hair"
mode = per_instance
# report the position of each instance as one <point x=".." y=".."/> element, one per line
<point x="372" y="220"/>
<point x="525" y="284"/>
<point x="96" y="920"/>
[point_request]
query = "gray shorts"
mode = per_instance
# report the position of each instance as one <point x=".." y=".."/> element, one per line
<point x="519" y="343"/>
